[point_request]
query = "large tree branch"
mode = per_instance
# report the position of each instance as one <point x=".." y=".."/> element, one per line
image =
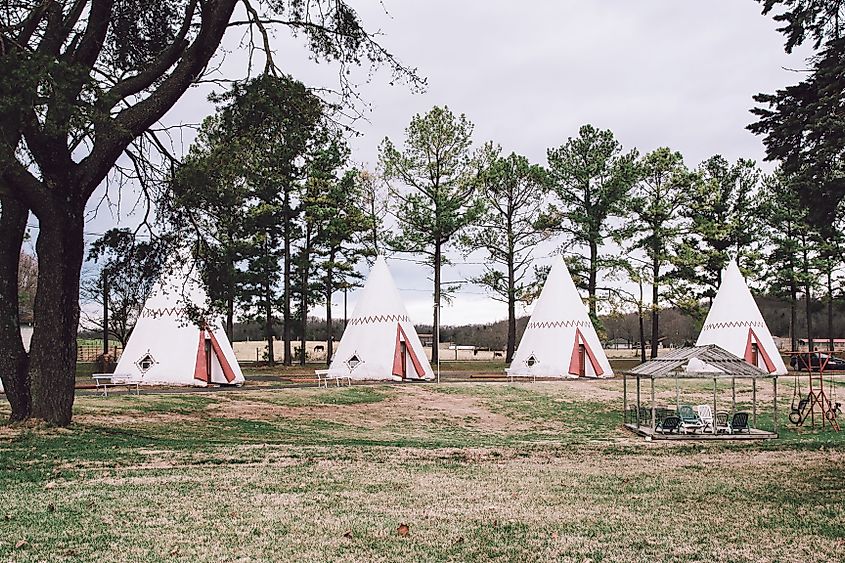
<point x="152" y="72"/>
<point x="26" y="188"/>
<point x="115" y="135"/>
<point x="92" y="40"/>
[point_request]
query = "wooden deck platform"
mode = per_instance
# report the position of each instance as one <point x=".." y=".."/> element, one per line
<point x="648" y="433"/>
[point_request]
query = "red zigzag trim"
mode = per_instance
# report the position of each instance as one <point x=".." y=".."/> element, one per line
<point x="734" y="324"/>
<point x="379" y="319"/>
<point x="559" y="324"/>
<point x="167" y="311"/>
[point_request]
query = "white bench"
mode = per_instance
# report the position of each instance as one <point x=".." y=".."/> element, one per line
<point x="105" y="380"/>
<point x="323" y="377"/>
<point x="512" y="377"/>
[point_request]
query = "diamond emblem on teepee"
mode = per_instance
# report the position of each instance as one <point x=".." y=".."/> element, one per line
<point x="353" y="361"/>
<point x="145" y="362"/>
<point x="531" y="361"/>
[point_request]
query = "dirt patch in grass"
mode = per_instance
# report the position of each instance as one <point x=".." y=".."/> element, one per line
<point x="405" y="405"/>
<point x="132" y="419"/>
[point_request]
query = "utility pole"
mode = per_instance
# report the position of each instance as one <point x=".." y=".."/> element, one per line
<point x="105" y="311"/>
<point x="436" y="343"/>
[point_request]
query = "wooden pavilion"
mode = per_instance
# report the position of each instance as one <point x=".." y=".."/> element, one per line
<point x="697" y="362"/>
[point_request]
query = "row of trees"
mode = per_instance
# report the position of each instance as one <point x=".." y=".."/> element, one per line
<point x="279" y="217"/>
<point x="615" y="213"/>
<point x="281" y="221"/>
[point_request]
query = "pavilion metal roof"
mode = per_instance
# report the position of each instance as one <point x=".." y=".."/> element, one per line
<point x="674" y="364"/>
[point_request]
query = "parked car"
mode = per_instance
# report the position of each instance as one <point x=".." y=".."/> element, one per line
<point x="818" y="361"/>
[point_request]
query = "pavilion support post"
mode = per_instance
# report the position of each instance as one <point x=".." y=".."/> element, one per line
<point x="624" y="398"/>
<point x="733" y="395"/>
<point x="653" y="409"/>
<point x="677" y="395"/>
<point x="715" y="426"/>
<point x="638" y="401"/>
<point x="775" y="404"/>
<point x="754" y="401"/>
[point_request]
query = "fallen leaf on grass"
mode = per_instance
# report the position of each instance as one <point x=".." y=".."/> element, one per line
<point x="348" y="534"/>
<point x="403" y="530"/>
<point x="21" y="543"/>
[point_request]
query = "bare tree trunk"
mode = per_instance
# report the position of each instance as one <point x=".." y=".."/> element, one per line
<point x="830" y="304"/>
<point x="511" y="312"/>
<point x="52" y="365"/>
<point x="329" y="291"/>
<point x="14" y="361"/>
<point x="808" y="296"/>
<point x="435" y="352"/>
<point x="793" y="310"/>
<point x="286" y="332"/>
<point x="303" y="281"/>
<point x="105" y="312"/>
<point x="230" y="316"/>
<point x="655" y="314"/>
<point x="268" y="322"/>
<point x="592" y="280"/>
<point x="642" y="322"/>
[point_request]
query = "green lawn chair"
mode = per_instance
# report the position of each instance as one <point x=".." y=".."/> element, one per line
<point x="690" y="421"/>
<point x="669" y="425"/>
<point x="739" y="423"/>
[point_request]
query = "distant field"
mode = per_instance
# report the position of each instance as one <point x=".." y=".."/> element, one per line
<point x="478" y="471"/>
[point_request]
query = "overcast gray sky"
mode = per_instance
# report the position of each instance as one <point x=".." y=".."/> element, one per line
<point x="677" y="73"/>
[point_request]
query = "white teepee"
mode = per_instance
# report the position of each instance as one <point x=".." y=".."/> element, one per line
<point x="25" y="338"/>
<point x="560" y="340"/>
<point x="166" y="348"/>
<point x="735" y="324"/>
<point x="380" y="341"/>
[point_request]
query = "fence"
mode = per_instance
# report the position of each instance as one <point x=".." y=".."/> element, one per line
<point x="89" y="352"/>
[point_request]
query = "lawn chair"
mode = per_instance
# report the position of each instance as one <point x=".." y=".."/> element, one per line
<point x="669" y="425"/>
<point x="722" y="423"/>
<point x="705" y="414"/>
<point x="690" y="422"/>
<point x="739" y="423"/>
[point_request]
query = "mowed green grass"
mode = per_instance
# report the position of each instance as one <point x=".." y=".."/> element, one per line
<point x="478" y="472"/>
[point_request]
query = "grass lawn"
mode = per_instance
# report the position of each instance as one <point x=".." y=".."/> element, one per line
<point x="478" y="472"/>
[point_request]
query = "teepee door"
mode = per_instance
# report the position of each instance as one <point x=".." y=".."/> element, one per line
<point x="403" y="353"/>
<point x="208" y="360"/>
<point x="582" y="363"/>
<point x="755" y="353"/>
<point x="405" y="361"/>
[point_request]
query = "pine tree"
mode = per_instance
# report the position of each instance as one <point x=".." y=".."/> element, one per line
<point x="511" y="190"/>
<point x="654" y="220"/>
<point x="433" y="186"/>
<point x="591" y="178"/>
